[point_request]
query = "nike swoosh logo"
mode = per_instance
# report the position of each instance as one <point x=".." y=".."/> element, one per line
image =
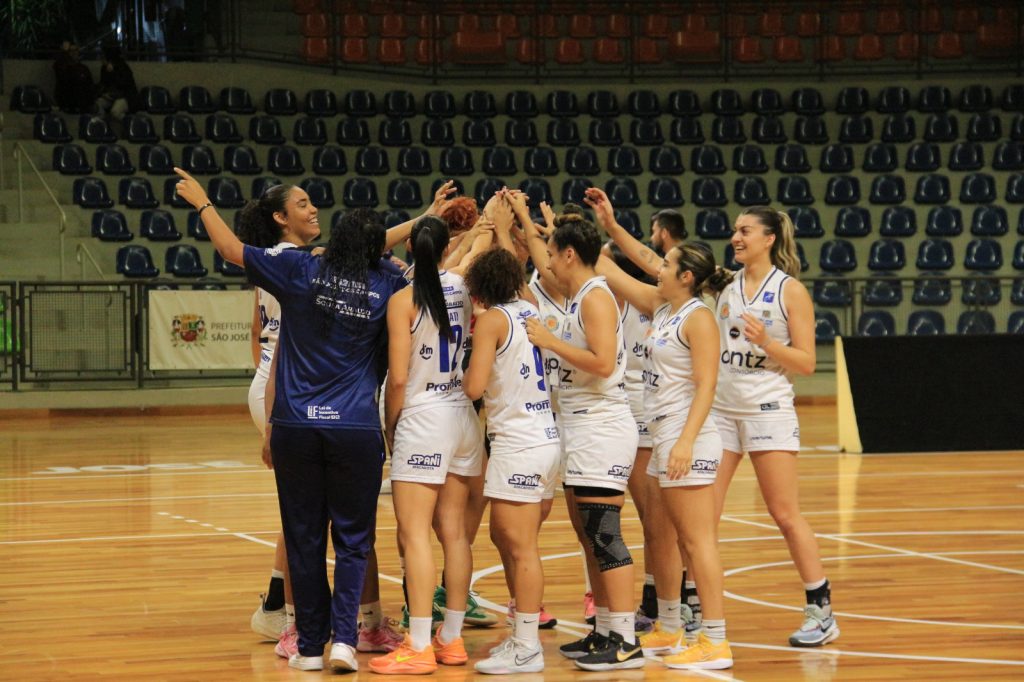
<point x="403" y="659"/>
<point x="619" y="655"/>
<point x="529" y="621"/>
<point x="524" y="661"/>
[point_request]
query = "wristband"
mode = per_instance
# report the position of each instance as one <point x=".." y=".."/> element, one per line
<point x="204" y="207"/>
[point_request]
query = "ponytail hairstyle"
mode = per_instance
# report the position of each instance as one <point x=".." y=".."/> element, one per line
<point x="429" y="241"/>
<point x="343" y="290"/>
<point x="572" y="208"/>
<point x="697" y="258"/>
<point x="494" y="277"/>
<point x="256" y="225"/>
<point x="574" y="230"/>
<point x="783" y="254"/>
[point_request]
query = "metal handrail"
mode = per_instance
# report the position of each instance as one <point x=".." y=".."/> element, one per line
<point x="19" y="153"/>
<point x="79" y="251"/>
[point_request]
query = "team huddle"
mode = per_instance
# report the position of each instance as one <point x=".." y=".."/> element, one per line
<point x="617" y="366"/>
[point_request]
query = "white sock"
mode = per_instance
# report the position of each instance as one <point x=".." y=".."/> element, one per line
<point x="419" y="632"/>
<point x="815" y="585"/>
<point x="669" y="614"/>
<point x="648" y="579"/>
<point x="715" y="630"/>
<point x="274" y="573"/>
<point x="452" y="628"/>
<point x="373" y="615"/>
<point x="623" y="622"/>
<point x="602" y="624"/>
<point x="524" y="630"/>
<point x="586" y="573"/>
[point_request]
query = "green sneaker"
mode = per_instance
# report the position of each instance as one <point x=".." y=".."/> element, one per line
<point x="436" y="614"/>
<point x="476" y="615"/>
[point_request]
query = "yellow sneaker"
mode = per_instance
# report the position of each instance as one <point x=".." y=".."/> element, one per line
<point x="703" y="655"/>
<point x="405" y="661"/>
<point x="658" y="642"/>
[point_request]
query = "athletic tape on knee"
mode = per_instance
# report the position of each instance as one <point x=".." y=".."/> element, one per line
<point x="603" y="531"/>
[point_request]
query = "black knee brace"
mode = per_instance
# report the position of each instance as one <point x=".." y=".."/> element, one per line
<point x="603" y="531"/>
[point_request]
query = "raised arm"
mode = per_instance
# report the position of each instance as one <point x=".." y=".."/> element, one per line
<point x="644" y="297"/>
<point x="635" y="250"/>
<point x="536" y="242"/>
<point x="399" y="233"/>
<point x="224" y="240"/>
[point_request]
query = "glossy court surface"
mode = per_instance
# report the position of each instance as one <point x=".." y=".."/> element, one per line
<point x="135" y="547"/>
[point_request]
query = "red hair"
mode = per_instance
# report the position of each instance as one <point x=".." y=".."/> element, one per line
<point x="461" y="215"/>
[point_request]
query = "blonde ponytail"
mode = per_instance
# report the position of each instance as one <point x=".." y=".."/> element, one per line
<point x="783" y="255"/>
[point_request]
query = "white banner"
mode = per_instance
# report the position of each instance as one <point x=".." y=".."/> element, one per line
<point x="200" y="329"/>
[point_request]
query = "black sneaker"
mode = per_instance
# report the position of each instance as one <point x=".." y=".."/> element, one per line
<point x="649" y="602"/>
<point x="582" y="647"/>
<point x="614" y="655"/>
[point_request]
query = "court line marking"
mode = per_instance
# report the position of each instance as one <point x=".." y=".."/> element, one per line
<point x="847" y="539"/>
<point x="162" y="498"/>
<point x="111" y="538"/>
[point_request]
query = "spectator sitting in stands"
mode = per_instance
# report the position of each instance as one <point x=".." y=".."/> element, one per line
<point x="117" y="92"/>
<point x="74" y="91"/>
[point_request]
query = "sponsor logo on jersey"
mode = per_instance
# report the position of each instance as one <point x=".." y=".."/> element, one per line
<point x="524" y="371"/>
<point x="551" y="432"/>
<point x="539" y="406"/>
<point x="708" y="465"/>
<point x="322" y="412"/>
<point x="766" y="314"/>
<point x="573" y="472"/>
<point x="524" y="480"/>
<point x="638" y="349"/>
<point x="769" y="407"/>
<point x="620" y="471"/>
<point x="524" y="314"/>
<point x="426" y="352"/>
<point x="769" y="296"/>
<point x="725" y="311"/>
<point x="744" y="360"/>
<point x="734" y="333"/>
<point x="445" y="387"/>
<point x="425" y="461"/>
<point x="188" y="330"/>
<point x="273" y="251"/>
<point x="551" y="322"/>
<point x="274" y="324"/>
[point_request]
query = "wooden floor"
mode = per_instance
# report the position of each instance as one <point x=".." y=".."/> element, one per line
<point x="135" y="547"/>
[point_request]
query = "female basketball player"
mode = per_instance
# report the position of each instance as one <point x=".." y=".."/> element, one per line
<point x="325" y="441"/>
<point x="508" y="371"/>
<point x="437" y="446"/>
<point x="766" y="320"/>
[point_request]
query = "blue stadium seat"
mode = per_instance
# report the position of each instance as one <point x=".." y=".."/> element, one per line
<point x="808" y="102"/>
<point x="888" y="189"/>
<point x="30" y="99"/>
<point x="976" y="322"/>
<point x="261" y="184"/>
<point x="767" y="102"/>
<point x="713" y="223"/>
<point x="280" y="102"/>
<point x="360" y="193"/>
<point x="602" y="104"/>
<point x="265" y="130"/>
<point x="811" y="130"/>
<point x="644" y="104"/>
<point x="579" y="161"/>
<point x="887" y="255"/>
<point x="310" y="130"/>
<point x="573" y="190"/>
<point x="236" y="101"/>
<point x="478" y="133"/>
<point x="1017" y="291"/>
<point x="687" y="130"/>
<point x="542" y="161"/>
<point x="1012" y="98"/>
<point x="989" y="221"/>
<point x="1015" y="323"/>
<point x="806" y="222"/>
<point x="876" y="323"/>
<point x="221" y="128"/>
<point x="171" y="197"/>
<point x="684" y="103"/>
<point x="944" y="221"/>
<point x="728" y="130"/>
<point x="984" y="127"/>
<point x="708" y="192"/>
<point x="95" y="130"/>
<point x="521" y="104"/>
<point x="926" y="323"/>
<point x="372" y="161"/>
<point x="195" y="99"/>
<point x="893" y="99"/>
<point x="1018" y="257"/>
<point x="562" y="104"/>
<point x="646" y="132"/>
<point x="158" y="225"/>
<point x="399" y="104"/>
<point x="320" y="191"/>
<point x="935" y="254"/>
<point x="196" y="229"/>
<point x="113" y="159"/>
<point x="899" y="128"/>
<point x="392" y="217"/>
<point x="853" y="221"/>
<point x="726" y="102"/>
<point x="415" y="161"/>
<point x="838" y="256"/>
<point x="394" y="132"/>
<point x="836" y="158"/>
<point x="563" y="133"/>
<point x="665" y="161"/>
<point x="225" y="192"/>
<point x="135" y="260"/>
<point x="1009" y="156"/>
<point x="182" y="260"/>
<point x="354" y="132"/>
<point x="330" y="160"/>
<point x="795" y="190"/>
<point x="826" y="327"/>
<point x="110" y="226"/>
<point x="856" y="130"/>
<point x="706" y="159"/>
<point x="455" y="161"/>
<point x="664" y="193"/>
<point x="157" y="100"/>
<point x="139" y="129"/>
<point x="880" y="158"/>
<point x="621" y="161"/>
<point x="932" y="189"/>
<point x="978" y="188"/>
<point x="832" y="293"/>
<point x="604" y="132"/>
<point x="622" y="193"/>
<point x="181" y="129"/>
<point x="1014" y="189"/>
<point x="966" y="156"/>
<point x="923" y="157"/>
<point x="842" y="190"/>
<point x="70" y="159"/>
<point x="321" y="102"/>
<point x="941" y="128"/>
<point x="729" y="259"/>
<point x="226" y="268"/>
<point x="1017" y="128"/>
<point x="209" y="284"/>
<point x="751" y="191"/>
<point x="521" y="133"/>
<point x="241" y="160"/>
<point x="363" y="103"/>
<point x="136" y="193"/>
<point x="769" y="130"/>
<point x="802" y="257"/>
<point x="852" y="100"/>
<point x="975" y="97"/>
<point x="538" y="190"/>
<point x="628" y="218"/>
<point x="929" y="291"/>
<point x="485" y="189"/>
<point x="934" y="99"/>
<point x="285" y="160"/>
<point x="47" y="127"/>
<point x="500" y="161"/>
<point x="749" y="158"/>
<point x="883" y="291"/>
<point x="983" y="254"/>
<point x="199" y="160"/>
<point x="438" y="104"/>
<point x="898" y="221"/>
<point x="792" y="158"/>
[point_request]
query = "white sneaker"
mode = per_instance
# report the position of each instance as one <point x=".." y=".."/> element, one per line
<point x="507" y="642"/>
<point x="513" y="659"/>
<point x="268" y="624"/>
<point x="343" y="658"/>
<point x="300" y="662"/>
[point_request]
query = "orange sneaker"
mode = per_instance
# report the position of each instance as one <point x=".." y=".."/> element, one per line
<point x="405" y="661"/>
<point x="452" y="653"/>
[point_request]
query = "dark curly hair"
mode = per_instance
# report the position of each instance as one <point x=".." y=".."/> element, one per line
<point x="495" y="277"/>
<point x="256" y="225"/>
<point x="461" y="215"/>
<point x="353" y="249"/>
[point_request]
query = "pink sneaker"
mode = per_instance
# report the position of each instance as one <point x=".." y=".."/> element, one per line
<point x="383" y="640"/>
<point x="589" y="610"/>
<point x="288" y="644"/>
<point x="547" y="621"/>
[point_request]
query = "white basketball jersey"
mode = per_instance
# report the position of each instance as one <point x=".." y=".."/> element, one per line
<point x="582" y="395"/>
<point x="552" y="309"/>
<point x="636" y="327"/>
<point x="270" y="318"/>
<point x="435" y="367"/>
<point x="668" y="364"/>
<point x="750" y="384"/>
<point x="518" y="406"/>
